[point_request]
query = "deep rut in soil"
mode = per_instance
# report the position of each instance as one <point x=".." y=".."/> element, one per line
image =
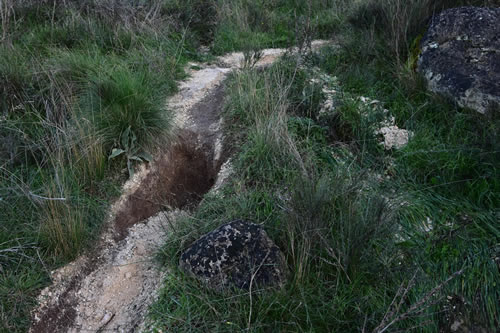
<point x="111" y="287"/>
<point x="185" y="173"/>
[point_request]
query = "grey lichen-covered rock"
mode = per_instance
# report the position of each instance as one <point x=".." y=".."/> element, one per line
<point x="461" y="56"/>
<point x="237" y="254"/>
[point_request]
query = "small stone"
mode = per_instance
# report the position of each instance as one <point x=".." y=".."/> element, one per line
<point x="394" y="137"/>
<point x="106" y="319"/>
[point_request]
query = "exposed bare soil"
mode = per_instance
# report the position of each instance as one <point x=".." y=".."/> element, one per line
<point x="111" y="287"/>
<point x="184" y="173"/>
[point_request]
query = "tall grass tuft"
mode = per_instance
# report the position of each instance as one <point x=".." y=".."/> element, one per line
<point x="331" y="217"/>
<point x="62" y="227"/>
<point x="123" y="99"/>
<point x="73" y="76"/>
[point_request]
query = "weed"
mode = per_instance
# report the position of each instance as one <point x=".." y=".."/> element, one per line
<point x="130" y="151"/>
<point x="251" y="57"/>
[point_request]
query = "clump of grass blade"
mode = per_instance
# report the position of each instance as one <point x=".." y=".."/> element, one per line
<point x="125" y="99"/>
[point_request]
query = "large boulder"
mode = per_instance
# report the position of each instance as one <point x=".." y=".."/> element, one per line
<point x="461" y="56"/>
<point x="238" y="254"/>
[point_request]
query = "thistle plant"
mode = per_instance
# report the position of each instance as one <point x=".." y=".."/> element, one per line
<point x="130" y="149"/>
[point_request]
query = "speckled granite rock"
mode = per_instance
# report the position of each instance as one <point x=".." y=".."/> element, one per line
<point x="460" y="56"/>
<point x="235" y="255"/>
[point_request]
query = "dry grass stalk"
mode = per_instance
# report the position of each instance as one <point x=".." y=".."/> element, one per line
<point x="392" y="315"/>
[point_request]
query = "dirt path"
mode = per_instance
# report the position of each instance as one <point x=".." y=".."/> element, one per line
<point x="111" y="287"/>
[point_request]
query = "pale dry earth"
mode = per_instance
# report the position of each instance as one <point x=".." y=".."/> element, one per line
<point x="111" y="287"/>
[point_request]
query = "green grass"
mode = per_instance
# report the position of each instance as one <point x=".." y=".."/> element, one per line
<point x="358" y="224"/>
<point x="260" y="24"/>
<point x="335" y="234"/>
<point x="351" y="217"/>
<point x="73" y="77"/>
<point x="449" y="173"/>
<point x="123" y="99"/>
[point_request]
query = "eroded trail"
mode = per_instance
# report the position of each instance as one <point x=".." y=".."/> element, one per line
<point x="111" y="287"/>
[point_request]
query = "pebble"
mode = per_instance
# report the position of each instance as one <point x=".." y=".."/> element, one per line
<point x="106" y="319"/>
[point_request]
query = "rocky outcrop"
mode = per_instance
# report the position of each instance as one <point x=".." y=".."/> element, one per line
<point x="238" y="254"/>
<point x="460" y="56"/>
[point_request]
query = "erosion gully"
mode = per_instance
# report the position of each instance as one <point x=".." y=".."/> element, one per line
<point x="110" y="287"/>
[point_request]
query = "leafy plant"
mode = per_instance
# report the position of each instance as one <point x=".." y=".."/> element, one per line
<point x="130" y="150"/>
<point x="251" y="57"/>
